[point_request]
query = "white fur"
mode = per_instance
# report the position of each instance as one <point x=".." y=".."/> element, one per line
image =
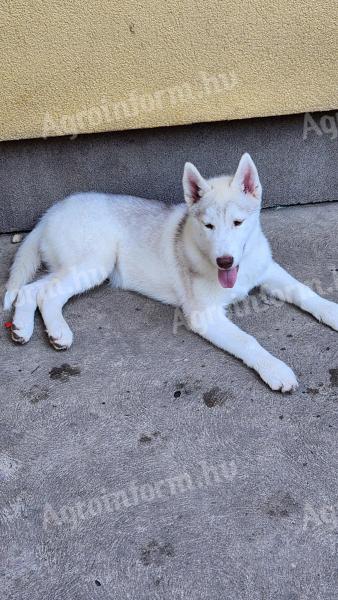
<point x="166" y="253"/>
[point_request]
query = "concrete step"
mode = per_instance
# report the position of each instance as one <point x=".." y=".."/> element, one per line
<point x="297" y="165"/>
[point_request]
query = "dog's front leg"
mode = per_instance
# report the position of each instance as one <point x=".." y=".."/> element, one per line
<point x="278" y="283"/>
<point x="220" y="331"/>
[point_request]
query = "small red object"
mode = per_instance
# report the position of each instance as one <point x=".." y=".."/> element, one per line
<point x="8" y="324"/>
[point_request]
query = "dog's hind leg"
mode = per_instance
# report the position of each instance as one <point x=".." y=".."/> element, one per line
<point x="278" y="283"/>
<point x="52" y="297"/>
<point x="25" y="307"/>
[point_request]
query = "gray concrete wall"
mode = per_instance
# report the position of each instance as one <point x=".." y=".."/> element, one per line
<point x="36" y="173"/>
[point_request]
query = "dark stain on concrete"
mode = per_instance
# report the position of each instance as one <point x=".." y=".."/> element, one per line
<point x="155" y="554"/>
<point x="312" y="391"/>
<point x="281" y="504"/>
<point x="36" y="394"/>
<point x="214" y="397"/>
<point x="64" y="372"/>
<point x="290" y="596"/>
<point x="334" y="377"/>
<point x="187" y="388"/>
<point x="147" y="439"/>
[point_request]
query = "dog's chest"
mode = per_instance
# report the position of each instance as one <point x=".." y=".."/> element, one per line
<point x="210" y="292"/>
<point x="249" y="277"/>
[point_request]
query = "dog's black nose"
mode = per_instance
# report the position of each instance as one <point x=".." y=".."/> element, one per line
<point x="225" y="262"/>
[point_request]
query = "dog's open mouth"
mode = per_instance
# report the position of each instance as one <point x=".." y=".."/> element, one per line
<point x="227" y="277"/>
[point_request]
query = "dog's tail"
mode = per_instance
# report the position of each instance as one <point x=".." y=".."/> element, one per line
<point x="26" y="262"/>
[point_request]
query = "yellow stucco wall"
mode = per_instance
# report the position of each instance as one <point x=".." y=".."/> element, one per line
<point x="80" y="65"/>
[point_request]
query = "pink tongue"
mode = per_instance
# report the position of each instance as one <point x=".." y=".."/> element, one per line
<point x="227" y="279"/>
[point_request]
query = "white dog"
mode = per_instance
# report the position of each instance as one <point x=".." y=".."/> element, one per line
<point x="202" y="256"/>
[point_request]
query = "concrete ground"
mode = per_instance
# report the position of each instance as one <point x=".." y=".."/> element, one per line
<point x="145" y="463"/>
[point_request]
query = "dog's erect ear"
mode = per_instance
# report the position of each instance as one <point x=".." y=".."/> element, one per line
<point x="246" y="177"/>
<point x="194" y="186"/>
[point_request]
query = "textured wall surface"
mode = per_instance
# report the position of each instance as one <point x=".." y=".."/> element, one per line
<point x="36" y="173"/>
<point x="102" y="65"/>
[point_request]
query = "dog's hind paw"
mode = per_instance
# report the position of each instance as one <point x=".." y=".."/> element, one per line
<point x="9" y="298"/>
<point x="21" y="335"/>
<point x="61" y="338"/>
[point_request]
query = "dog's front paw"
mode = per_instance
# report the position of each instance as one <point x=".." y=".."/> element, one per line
<point x="277" y="375"/>
<point x="328" y="314"/>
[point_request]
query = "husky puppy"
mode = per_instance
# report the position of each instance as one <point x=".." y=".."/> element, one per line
<point x="201" y="256"/>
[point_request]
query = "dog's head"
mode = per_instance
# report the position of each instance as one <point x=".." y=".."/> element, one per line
<point x="224" y="211"/>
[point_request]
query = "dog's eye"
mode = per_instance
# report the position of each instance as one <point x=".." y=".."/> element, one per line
<point x="209" y="225"/>
<point x="238" y="223"/>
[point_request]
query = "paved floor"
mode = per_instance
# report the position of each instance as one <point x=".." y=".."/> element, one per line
<point x="144" y="463"/>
